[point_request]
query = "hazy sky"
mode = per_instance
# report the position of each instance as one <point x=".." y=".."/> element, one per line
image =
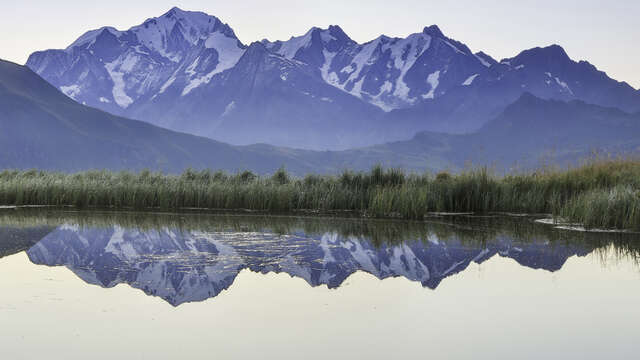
<point x="606" y="33"/>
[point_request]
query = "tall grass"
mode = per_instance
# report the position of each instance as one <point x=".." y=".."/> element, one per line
<point x="582" y="194"/>
<point x="616" y="208"/>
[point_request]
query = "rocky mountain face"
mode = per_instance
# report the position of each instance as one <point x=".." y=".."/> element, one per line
<point x="189" y="72"/>
<point x="187" y="266"/>
<point x="115" y="70"/>
<point x="547" y="73"/>
<point x="390" y="73"/>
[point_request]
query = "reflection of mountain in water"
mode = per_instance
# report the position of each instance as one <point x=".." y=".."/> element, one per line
<point x="14" y="239"/>
<point x="187" y="266"/>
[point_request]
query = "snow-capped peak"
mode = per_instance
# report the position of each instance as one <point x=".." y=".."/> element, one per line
<point x="168" y="30"/>
<point x="164" y="34"/>
<point x="332" y="39"/>
<point x="91" y="35"/>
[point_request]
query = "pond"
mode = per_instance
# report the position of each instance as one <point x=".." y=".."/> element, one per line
<point x="107" y="285"/>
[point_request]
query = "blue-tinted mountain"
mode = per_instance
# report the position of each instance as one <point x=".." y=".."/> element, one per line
<point x="270" y="99"/>
<point x="188" y="71"/>
<point x="391" y="73"/>
<point x="529" y="133"/>
<point x="547" y="73"/>
<point x="42" y="128"/>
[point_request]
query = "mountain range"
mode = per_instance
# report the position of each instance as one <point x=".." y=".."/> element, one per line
<point x="187" y="71"/>
<point x="42" y="128"/>
<point x="313" y="91"/>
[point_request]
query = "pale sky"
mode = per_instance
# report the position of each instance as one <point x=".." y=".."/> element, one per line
<point x="606" y="33"/>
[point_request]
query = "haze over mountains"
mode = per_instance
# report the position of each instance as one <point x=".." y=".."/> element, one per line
<point x="425" y="102"/>
<point x="187" y="71"/>
<point x="42" y="128"/>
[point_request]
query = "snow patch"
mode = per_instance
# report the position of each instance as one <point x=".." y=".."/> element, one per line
<point x="228" y="55"/>
<point x="434" y="80"/>
<point x="71" y="91"/>
<point x="229" y="108"/>
<point x="483" y="61"/>
<point x="469" y="80"/>
<point x="405" y="53"/>
<point x="357" y="88"/>
<point x="129" y="62"/>
<point x="104" y="100"/>
<point x="332" y="78"/>
<point x="361" y="59"/>
<point x="378" y="101"/>
<point x="166" y="85"/>
<point x="347" y="69"/>
<point x="564" y="85"/>
<point x="119" y="95"/>
<point x="191" y="69"/>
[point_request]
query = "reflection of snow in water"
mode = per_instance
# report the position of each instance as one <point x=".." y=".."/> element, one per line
<point x="186" y="266"/>
<point x="563" y="225"/>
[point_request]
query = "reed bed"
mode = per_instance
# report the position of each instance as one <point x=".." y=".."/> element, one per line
<point x="599" y="193"/>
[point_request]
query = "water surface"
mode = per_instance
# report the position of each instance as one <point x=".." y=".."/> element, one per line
<point x="162" y="286"/>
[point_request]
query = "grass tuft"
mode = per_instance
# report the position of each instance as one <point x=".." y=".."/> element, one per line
<point x="599" y="193"/>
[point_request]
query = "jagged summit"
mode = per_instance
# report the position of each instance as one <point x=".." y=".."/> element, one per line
<point x="91" y="35"/>
<point x="256" y="48"/>
<point x="433" y="30"/>
<point x="312" y="43"/>
<point x="541" y="55"/>
<point x="156" y="32"/>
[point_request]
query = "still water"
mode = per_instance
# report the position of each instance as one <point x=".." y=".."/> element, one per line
<point x="106" y="285"/>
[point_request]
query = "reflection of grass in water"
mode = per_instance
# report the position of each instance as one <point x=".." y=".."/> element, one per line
<point x="464" y="231"/>
<point x="576" y="193"/>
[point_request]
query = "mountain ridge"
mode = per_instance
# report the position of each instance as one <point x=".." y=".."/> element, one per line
<point x="42" y="128"/>
<point x="396" y="87"/>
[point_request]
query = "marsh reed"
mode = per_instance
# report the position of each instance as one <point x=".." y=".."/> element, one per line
<point x="599" y="193"/>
